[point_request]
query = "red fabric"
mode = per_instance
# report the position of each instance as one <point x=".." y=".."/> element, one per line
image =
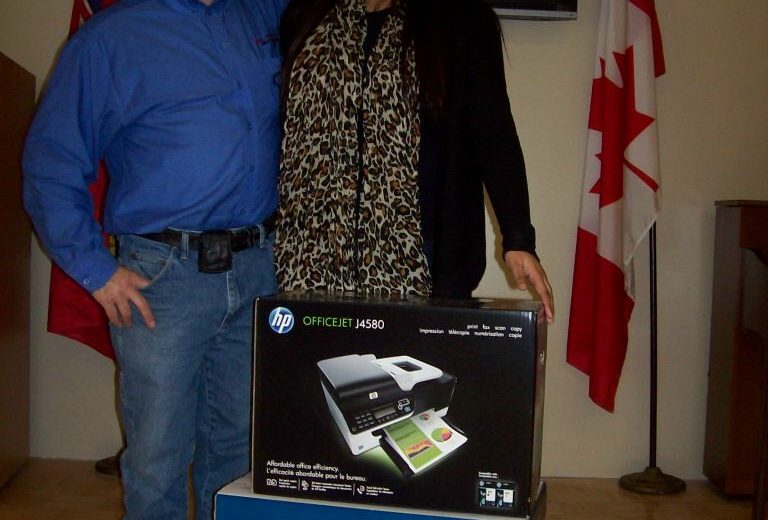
<point x="72" y="311"/>
<point x="620" y="195"/>
<point x="597" y="331"/>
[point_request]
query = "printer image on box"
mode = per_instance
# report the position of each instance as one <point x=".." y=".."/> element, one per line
<point x="411" y="404"/>
<point x="370" y="399"/>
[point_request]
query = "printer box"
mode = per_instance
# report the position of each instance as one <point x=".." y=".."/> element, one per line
<point x="434" y="405"/>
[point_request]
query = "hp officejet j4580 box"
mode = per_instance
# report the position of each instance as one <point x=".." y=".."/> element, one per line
<point x="434" y="405"/>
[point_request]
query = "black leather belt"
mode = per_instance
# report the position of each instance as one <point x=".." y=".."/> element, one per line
<point x="240" y="239"/>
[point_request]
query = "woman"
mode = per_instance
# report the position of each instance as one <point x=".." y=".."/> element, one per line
<point x="396" y="115"/>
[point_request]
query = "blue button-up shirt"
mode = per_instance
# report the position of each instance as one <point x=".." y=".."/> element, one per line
<point x="181" y="101"/>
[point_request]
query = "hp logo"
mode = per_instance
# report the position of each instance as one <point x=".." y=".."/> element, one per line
<point x="281" y="320"/>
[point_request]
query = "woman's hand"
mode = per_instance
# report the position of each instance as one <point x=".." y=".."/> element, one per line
<point x="525" y="268"/>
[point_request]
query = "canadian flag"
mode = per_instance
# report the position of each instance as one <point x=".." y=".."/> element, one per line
<point x="620" y="197"/>
<point x="72" y="311"/>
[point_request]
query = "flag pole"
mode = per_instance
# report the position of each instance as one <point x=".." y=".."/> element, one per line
<point x="652" y="480"/>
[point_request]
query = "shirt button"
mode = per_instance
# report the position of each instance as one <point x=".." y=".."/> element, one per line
<point x="250" y="126"/>
<point x="251" y="168"/>
<point x="225" y="45"/>
<point x="86" y="281"/>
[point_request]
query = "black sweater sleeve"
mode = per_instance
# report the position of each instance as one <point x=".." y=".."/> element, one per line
<point x="494" y="146"/>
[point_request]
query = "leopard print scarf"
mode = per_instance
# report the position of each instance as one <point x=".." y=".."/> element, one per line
<point x="343" y="225"/>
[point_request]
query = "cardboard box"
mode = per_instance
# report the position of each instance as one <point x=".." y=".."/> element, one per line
<point x="431" y="405"/>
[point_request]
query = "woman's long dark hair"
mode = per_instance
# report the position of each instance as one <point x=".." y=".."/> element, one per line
<point x="427" y="26"/>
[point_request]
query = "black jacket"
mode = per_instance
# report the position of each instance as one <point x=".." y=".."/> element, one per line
<point x="474" y="145"/>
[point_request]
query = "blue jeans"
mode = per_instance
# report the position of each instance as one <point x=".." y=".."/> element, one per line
<point x="185" y="387"/>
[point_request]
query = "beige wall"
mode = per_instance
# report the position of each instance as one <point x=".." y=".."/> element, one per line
<point x="713" y="118"/>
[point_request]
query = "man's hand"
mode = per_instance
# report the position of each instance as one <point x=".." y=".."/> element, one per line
<point x="525" y="268"/>
<point x="119" y="293"/>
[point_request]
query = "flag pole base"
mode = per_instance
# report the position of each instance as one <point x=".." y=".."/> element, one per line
<point x="652" y="481"/>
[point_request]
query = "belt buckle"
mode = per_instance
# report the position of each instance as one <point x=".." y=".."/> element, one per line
<point x="214" y="252"/>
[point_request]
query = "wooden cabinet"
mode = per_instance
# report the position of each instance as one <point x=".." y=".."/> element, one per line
<point x="17" y="98"/>
<point x="739" y="336"/>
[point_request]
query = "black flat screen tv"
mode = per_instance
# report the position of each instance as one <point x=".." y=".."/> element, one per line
<point x="535" y="9"/>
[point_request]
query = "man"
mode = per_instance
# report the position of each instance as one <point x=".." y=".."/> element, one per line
<point x="179" y="98"/>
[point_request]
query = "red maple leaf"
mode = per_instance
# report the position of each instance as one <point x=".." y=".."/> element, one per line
<point x="612" y="112"/>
